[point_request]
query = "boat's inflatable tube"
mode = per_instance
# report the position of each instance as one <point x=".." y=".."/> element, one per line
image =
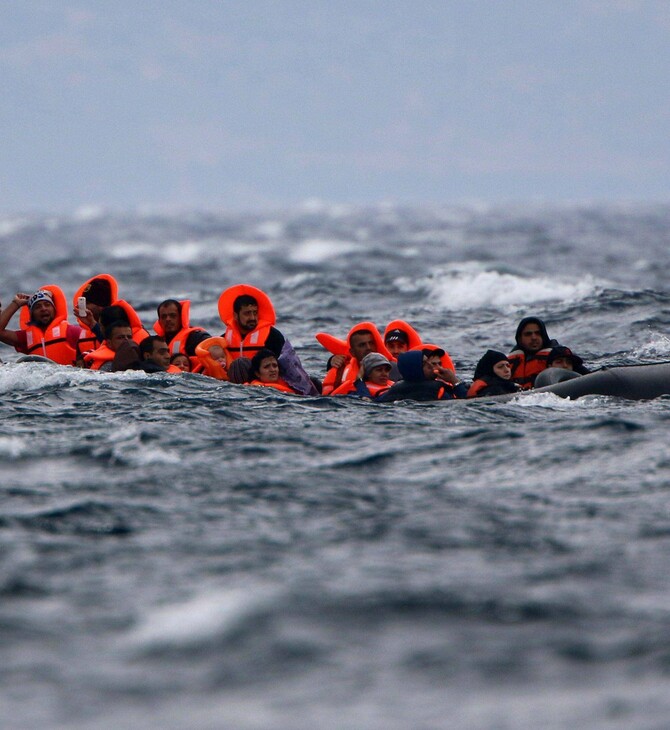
<point x="36" y="358"/>
<point x="551" y="376"/>
<point x="635" y="382"/>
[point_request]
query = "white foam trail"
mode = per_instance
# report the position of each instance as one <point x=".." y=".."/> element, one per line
<point x="208" y="615"/>
<point x="554" y="402"/>
<point x="469" y="286"/>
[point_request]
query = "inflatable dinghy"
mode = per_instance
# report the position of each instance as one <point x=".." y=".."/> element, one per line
<point x="634" y="382"/>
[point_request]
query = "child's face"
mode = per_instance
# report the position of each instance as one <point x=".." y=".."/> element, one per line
<point x="182" y="362"/>
<point x="562" y="362"/>
<point x="503" y="370"/>
<point x="216" y="352"/>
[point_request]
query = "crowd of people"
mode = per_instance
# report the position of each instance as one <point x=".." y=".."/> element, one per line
<point x="396" y="365"/>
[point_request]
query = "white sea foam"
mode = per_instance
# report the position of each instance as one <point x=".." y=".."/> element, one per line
<point x="554" y="402"/>
<point x="9" y="226"/>
<point x="133" y="249"/>
<point x="269" y="229"/>
<point x="657" y="348"/>
<point x="181" y="252"/>
<point x="208" y="615"/>
<point x="12" y="446"/>
<point x="470" y="286"/>
<point x="319" y="250"/>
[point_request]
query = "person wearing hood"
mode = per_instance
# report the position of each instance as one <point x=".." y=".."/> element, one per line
<point x="564" y="357"/>
<point x="562" y="364"/>
<point x="529" y="357"/>
<point x="423" y="379"/>
<point x="493" y="376"/>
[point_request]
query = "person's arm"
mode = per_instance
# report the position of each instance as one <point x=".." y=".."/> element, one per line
<point x="10" y="337"/>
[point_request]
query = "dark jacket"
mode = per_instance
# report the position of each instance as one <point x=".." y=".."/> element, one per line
<point x="415" y="385"/>
<point x="486" y="381"/>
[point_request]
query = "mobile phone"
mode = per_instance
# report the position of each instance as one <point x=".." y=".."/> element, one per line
<point x="81" y="306"/>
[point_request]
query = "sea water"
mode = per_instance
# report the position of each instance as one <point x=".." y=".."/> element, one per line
<point x="176" y="552"/>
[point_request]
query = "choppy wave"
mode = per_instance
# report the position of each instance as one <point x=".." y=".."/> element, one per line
<point x="178" y="552"/>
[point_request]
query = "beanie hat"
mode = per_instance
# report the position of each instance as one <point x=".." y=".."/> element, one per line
<point x="39" y="296"/>
<point x="98" y="291"/>
<point x="373" y="360"/>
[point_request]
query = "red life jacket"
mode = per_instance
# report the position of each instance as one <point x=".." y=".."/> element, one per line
<point x="52" y="341"/>
<point x="525" y="368"/>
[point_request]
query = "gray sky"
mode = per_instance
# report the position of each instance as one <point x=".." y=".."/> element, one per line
<point x="252" y="104"/>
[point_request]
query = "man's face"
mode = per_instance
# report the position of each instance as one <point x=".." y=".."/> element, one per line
<point x="531" y="338"/>
<point x="395" y="347"/>
<point x="247" y="318"/>
<point x="429" y="365"/>
<point x="362" y="344"/>
<point x="169" y="318"/>
<point x="118" y="336"/>
<point x="160" y="354"/>
<point x="43" y="313"/>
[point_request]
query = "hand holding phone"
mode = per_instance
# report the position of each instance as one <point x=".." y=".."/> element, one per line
<point x="81" y="306"/>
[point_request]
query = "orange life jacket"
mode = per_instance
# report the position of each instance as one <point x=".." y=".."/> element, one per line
<point x="87" y="339"/>
<point x="208" y="365"/>
<point x="476" y="387"/>
<point x="349" y="386"/>
<point x="525" y="368"/>
<point x="279" y="385"/>
<point x="247" y="346"/>
<point x="178" y="341"/>
<point x="52" y="341"/>
<point x="174" y="369"/>
<point x="349" y="371"/>
<point x="98" y="357"/>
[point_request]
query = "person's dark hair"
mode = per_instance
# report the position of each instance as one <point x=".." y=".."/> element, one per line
<point x="244" y="300"/>
<point x="112" y="315"/>
<point x="359" y="332"/>
<point x="147" y="344"/>
<point x="109" y="329"/>
<point x="165" y="303"/>
<point x="258" y="358"/>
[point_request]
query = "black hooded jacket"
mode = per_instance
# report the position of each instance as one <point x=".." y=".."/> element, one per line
<point x="526" y="365"/>
<point x="486" y="381"/>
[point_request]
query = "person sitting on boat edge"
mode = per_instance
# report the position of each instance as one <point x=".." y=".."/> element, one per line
<point x="44" y="329"/>
<point x="265" y="371"/>
<point x="424" y="379"/>
<point x="173" y="324"/>
<point x="373" y="377"/>
<point x="529" y="357"/>
<point x="493" y="376"/>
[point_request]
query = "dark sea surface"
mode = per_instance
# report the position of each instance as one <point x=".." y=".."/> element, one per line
<point x="176" y="552"/>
